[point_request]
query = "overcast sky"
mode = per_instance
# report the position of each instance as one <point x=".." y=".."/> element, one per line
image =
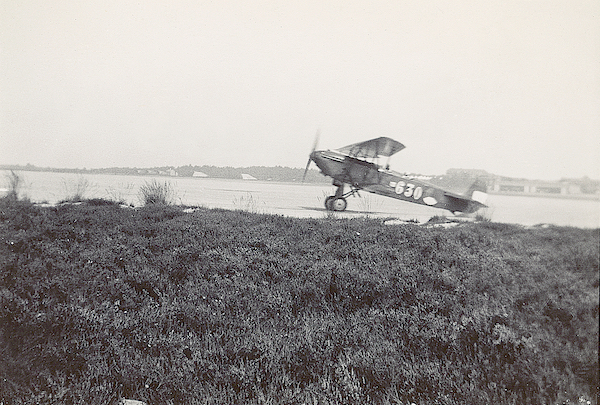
<point x="511" y="87"/>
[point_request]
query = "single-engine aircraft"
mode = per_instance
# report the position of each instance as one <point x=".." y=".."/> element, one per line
<point x="354" y="165"/>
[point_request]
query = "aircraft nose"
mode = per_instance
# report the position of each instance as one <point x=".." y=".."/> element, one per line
<point x="311" y="158"/>
<point x="317" y="157"/>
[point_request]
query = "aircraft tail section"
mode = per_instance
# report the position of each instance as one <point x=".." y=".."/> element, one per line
<point x="478" y="191"/>
<point x="470" y="200"/>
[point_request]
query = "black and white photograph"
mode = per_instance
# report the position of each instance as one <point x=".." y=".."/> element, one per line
<point x="299" y="202"/>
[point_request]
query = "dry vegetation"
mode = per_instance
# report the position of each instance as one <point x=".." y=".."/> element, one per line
<point x="100" y="302"/>
<point x="156" y="192"/>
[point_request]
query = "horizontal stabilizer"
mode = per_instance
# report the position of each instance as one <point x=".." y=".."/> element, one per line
<point x="479" y="196"/>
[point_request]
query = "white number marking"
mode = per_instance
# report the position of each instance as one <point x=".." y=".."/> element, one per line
<point x="418" y="193"/>
<point x="400" y="187"/>
<point x="409" y="190"/>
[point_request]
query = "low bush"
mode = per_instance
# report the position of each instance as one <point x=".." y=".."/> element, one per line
<point x="102" y="201"/>
<point x="100" y="302"/>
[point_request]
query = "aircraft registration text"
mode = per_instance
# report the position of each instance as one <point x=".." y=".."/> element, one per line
<point x="407" y="189"/>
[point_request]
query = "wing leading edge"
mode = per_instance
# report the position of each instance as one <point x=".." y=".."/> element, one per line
<point x="373" y="148"/>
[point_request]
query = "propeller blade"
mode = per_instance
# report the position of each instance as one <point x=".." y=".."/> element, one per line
<point x="316" y="141"/>
<point x="314" y="147"/>
<point x="306" y="169"/>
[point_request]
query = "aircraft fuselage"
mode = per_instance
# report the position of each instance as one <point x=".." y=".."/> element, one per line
<point x="363" y="175"/>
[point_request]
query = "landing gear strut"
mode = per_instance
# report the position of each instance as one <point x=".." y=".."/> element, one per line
<point x="338" y="201"/>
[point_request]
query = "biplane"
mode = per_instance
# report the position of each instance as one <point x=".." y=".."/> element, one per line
<point x="356" y="167"/>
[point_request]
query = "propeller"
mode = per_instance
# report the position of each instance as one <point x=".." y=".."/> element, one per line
<point x="314" y="147"/>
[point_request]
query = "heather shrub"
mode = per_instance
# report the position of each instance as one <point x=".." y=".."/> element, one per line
<point x="102" y="201"/>
<point x="99" y="302"/>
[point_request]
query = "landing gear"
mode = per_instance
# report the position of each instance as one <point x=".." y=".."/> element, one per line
<point x="338" y="201"/>
<point x="328" y="201"/>
<point x="333" y="203"/>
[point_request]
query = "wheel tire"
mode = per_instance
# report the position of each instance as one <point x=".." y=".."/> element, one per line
<point x="339" y="204"/>
<point x="328" y="201"/>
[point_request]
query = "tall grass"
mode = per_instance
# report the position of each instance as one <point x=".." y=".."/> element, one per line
<point x="157" y="193"/>
<point x="249" y="203"/>
<point x="14" y="183"/>
<point x="368" y="204"/>
<point x="77" y="190"/>
<point x="98" y="303"/>
<point x="119" y="194"/>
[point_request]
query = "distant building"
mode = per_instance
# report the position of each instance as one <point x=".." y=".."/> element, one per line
<point x="503" y="185"/>
<point x="506" y="185"/>
<point x="168" y="172"/>
<point x="514" y="186"/>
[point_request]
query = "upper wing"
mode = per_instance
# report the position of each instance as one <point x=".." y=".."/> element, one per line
<point x="371" y="149"/>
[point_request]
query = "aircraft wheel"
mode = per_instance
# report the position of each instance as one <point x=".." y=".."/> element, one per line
<point x="339" y="204"/>
<point x="328" y="201"/>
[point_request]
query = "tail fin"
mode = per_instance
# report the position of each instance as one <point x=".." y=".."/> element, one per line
<point x="478" y="191"/>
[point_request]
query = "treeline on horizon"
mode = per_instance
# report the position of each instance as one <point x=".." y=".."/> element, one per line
<point x="276" y="173"/>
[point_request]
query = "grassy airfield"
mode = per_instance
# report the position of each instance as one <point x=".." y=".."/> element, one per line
<point x="99" y="303"/>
